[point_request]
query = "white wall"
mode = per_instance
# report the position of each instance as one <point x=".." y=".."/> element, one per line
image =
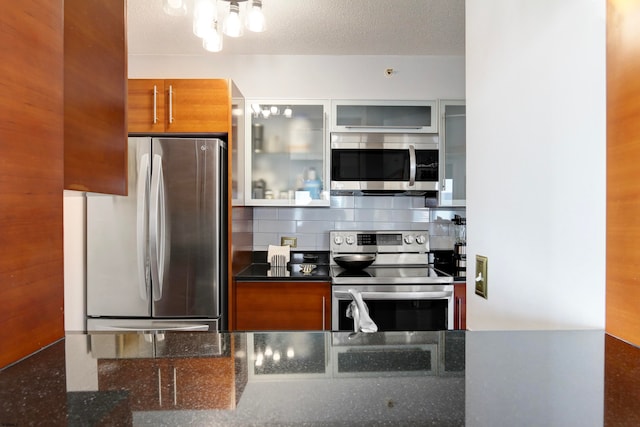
<point x="321" y="77"/>
<point x="74" y="261"/>
<point x="535" y="82"/>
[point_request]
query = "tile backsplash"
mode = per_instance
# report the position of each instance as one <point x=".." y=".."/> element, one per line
<point x="311" y="226"/>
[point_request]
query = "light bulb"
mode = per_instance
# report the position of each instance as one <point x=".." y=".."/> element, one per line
<point x="255" y="17"/>
<point x="174" y="7"/>
<point x="288" y="112"/>
<point x="212" y="39"/>
<point x="274" y="110"/>
<point x="204" y="12"/>
<point x="233" y="25"/>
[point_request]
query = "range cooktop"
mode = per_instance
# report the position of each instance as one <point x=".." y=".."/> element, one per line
<point x="389" y="275"/>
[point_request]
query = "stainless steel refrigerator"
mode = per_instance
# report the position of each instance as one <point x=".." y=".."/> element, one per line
<point x="157" y="258"/>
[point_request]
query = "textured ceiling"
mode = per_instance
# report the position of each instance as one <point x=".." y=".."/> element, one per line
<point x="313" y="27"/>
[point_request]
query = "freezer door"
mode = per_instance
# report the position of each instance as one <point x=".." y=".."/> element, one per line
<point x="118" y="280"/>
<point x="186" y="242"/>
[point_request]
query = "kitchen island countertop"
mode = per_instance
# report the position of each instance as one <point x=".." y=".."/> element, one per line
<point x="501" y="378"/>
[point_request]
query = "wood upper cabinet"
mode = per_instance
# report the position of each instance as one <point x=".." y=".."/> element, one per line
<point x="167" y="384"/>
<point x="179" y="106"/>
<point x="145" y="106"/>
<point x="31" y="180"/>
<point x="95" y="90"/>
<point x="264" y="306"/>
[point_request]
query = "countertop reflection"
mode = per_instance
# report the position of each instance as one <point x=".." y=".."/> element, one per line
<point x="505" y="378"/>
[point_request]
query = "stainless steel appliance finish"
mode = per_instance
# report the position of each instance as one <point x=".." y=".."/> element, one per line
<point x="401" y="289"/>
<point x="414" y="353"/>
<point x="379" y="162"/>
<point x="158" y="255"/>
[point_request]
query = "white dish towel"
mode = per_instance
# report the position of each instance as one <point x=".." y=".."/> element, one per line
<point x="359" y="311"/>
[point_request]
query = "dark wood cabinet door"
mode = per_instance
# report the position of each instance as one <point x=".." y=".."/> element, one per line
<point x="197" y="105"/>
<point x="95" y="91"/>
<point x="283" y="306"/>
<point x="31" y="177"/>
<point x="460" y="306"/>
<point x="145" y="106"/>
<point x="203" y="383"/>
<point x="143" y="378"/>
<point x="168" y="384"/>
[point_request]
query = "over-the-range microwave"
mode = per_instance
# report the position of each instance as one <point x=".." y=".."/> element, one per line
<point x="384" y="162"/>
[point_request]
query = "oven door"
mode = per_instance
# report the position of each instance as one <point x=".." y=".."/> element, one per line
<point x="384" y="165"/>
<point x="397" y="307"/>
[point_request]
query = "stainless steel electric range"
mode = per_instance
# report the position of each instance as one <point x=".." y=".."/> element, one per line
<point x="399" y="291"/>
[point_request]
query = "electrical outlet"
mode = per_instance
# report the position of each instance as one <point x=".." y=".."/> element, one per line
<point x="289" y="241"/>
<point x="481" y="276"/>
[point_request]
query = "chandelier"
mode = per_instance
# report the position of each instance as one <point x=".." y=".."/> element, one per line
<point x="210" y="26"/>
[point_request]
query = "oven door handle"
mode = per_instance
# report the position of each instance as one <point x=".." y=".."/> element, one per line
<point x="399" y="295"/>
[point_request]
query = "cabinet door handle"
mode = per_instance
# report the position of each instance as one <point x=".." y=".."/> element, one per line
<point x="170" y="103"/>
<point x="159" y="388"/>
<point x="443" y="149"/>
<point x="324" y="305"/>
<point x="175" y="387"/>
<point x="155" y="104"/>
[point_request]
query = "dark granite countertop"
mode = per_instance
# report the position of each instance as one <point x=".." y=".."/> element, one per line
<point x="446" y="378"/>
<point x="260" y="270"/>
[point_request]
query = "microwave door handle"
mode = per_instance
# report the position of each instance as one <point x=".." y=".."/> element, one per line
<point x="412" y="165"/>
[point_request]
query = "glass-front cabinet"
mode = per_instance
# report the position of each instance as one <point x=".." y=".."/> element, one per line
<point x="453" y="153"/>
<point x="287" y="151"/>
<point x="385" y="116"/>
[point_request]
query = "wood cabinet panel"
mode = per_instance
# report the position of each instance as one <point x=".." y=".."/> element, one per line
<point x="182" y="106"/>
<point x="95" y="90"/>
<point x="145" y="106"/>
<point x="162" y="384"/>
<point x="31" y="177"/>
<point x="460" y="306"/>
<point x="198" y="105"/>
<point x="282" y="306"/>
<point x="142" y="378"/>
<point x="205" y="383"/>
<point x="623" y="174"/>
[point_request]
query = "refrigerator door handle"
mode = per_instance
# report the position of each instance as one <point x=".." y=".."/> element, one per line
<point x="157" y="227"/>
<point x="141" y="226"/>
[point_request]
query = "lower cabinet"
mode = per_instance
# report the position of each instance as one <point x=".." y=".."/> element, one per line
<point x="164" y="384"/>
<point x="273" y="305"/>
<point x="460" y="306"/>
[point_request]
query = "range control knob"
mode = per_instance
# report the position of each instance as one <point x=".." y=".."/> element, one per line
<point x="421" y="239"/>
<point x="338" y="240"/>
<point x="408" y="239"/>
<point x="350" y="240"/>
